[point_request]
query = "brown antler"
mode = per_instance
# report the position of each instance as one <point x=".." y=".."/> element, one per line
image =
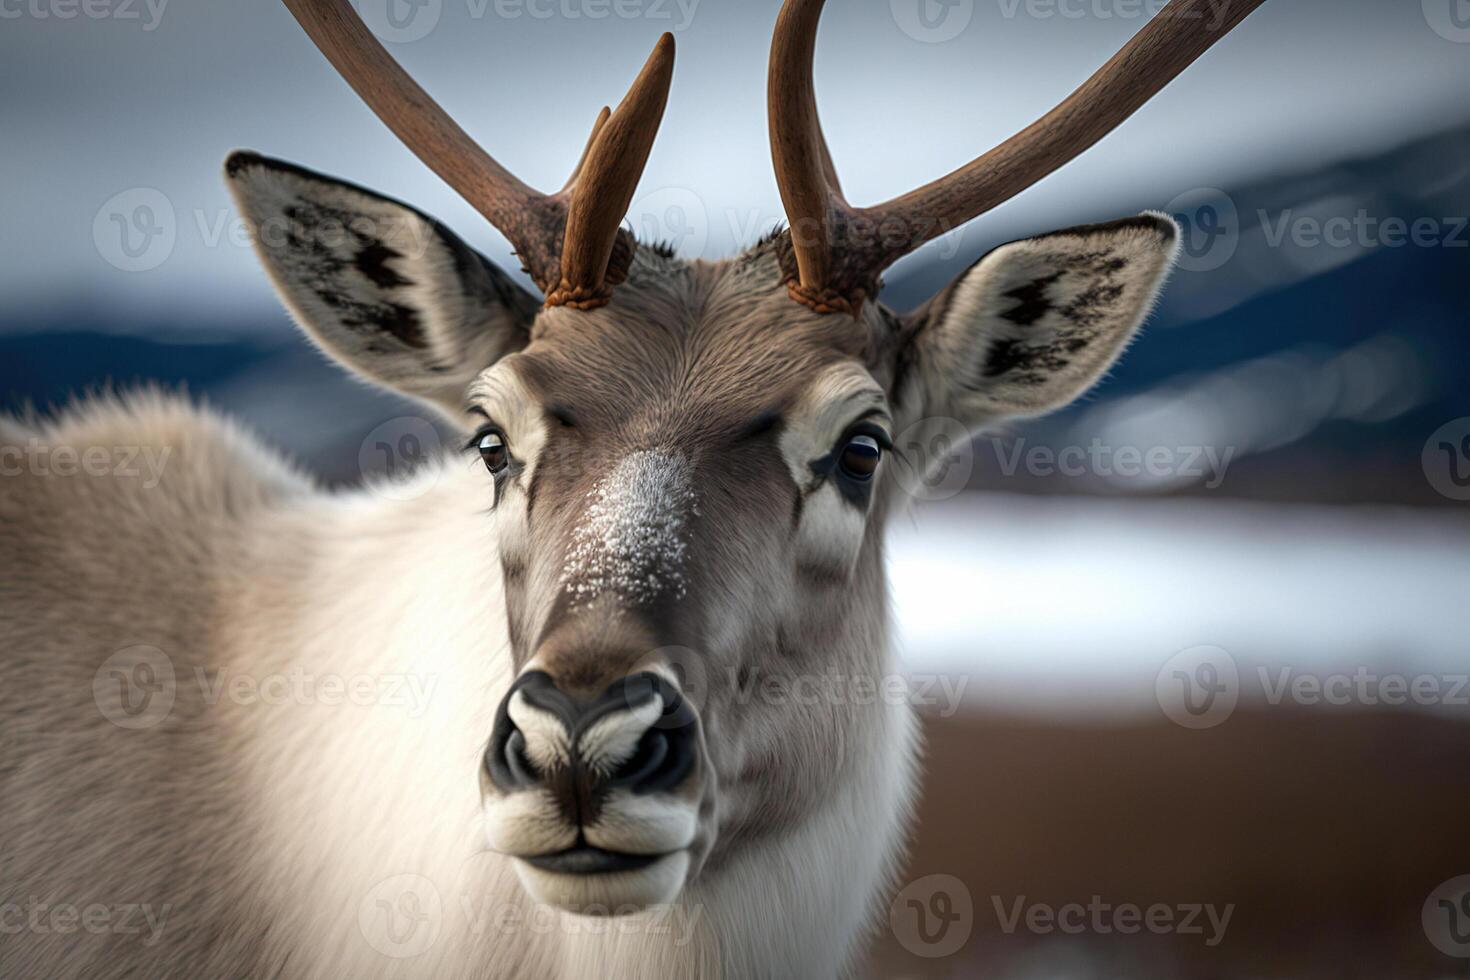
<point x="610" y="168"/>
<point x="837" y="251"/>
<point x="570" y="242"/>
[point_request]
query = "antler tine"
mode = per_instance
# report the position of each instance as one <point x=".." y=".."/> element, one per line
<point x="805" y="174"/>
<point x="859" y="243"/>
<point x="604" y="186"/>
<point x="532" y="221"/>
<point x="597" y="125"/>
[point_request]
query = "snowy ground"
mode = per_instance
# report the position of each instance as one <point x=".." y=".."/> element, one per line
<point x="1073" y="605"/>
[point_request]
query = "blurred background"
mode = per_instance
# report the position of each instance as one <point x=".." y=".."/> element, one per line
<point x="1190" y="644"/>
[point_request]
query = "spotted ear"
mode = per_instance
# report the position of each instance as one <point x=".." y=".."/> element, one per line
<point x="1034" y="324"/>
<point x="380" y="287"/>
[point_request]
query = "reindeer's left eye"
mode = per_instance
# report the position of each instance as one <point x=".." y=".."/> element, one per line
<point x="492" y="449"/>
<point x="859" y="458"/>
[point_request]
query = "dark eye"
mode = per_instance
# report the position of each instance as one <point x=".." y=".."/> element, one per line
<point x="859" y="458"/>
<point x="491" y="445"/>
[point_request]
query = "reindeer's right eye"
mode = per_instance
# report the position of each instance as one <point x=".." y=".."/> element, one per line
<point x="491" y="445"/>
<point x="859" y="458"/>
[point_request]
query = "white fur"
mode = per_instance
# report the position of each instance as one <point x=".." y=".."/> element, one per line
<point x="651" y="824"/>
<point x="612" y="739"/>
<point x="548" y="743"/>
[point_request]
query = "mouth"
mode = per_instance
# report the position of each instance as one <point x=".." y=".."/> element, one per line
<point x="588" y="880"/>
<point x="588" y="860"/>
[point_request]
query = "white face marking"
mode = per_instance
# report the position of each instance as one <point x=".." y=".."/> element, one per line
<point x="499" y="392"/>
<point x="545" y="736"/>
<point x="610" y="741"/>
<point x="527" y="822"/>
<point x="630" y="541"/>
<point x="834" y="401"/>
<point x="644" y="824"/>
<point x="831" y="532"/>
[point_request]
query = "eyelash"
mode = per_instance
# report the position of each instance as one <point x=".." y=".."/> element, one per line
<point x="873" y="431"/>
<point x="473" y="446"/>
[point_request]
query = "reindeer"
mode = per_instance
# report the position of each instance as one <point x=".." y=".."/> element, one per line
<point x="668" y="514"/>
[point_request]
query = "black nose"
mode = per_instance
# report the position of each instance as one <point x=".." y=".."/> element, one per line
<point x="573" y="746"/>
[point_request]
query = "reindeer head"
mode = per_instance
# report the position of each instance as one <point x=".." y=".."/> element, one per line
<point x="688" y="464"/>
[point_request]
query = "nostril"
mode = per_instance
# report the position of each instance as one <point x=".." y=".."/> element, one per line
<point x="652" y="751"/>
<point x="665" y="755"/>
<point x="520" y="767"/>
<point x="506" y="761"/>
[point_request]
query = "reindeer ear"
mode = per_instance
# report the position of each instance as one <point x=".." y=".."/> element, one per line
<point x="380" y="287"/>
<point x="1033" y="324"/>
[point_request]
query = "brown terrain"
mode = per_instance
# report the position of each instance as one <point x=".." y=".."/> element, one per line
<point x="1326" y="830"/>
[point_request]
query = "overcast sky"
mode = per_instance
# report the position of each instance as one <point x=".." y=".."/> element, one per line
<point x="106" y="97"/>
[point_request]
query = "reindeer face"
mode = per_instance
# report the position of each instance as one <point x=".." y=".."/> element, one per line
<point x="687" y="486"/>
